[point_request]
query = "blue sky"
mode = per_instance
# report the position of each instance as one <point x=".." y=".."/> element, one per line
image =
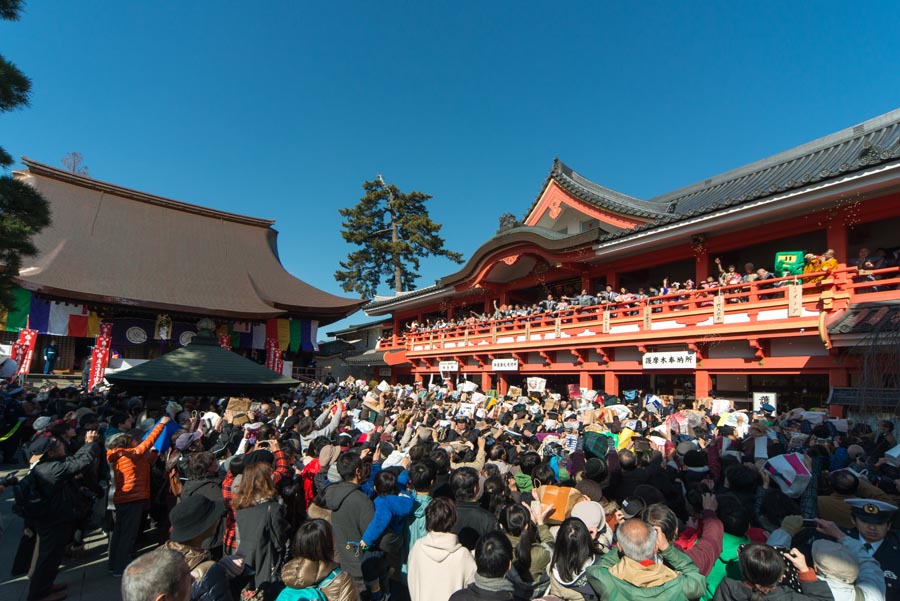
<point x="282" y="109"/>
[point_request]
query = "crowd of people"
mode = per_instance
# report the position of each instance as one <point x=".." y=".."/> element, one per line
<point x="356" y="490"/>
<point x="676" y="295"/>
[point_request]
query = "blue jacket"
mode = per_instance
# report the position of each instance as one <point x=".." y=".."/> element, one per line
<point x="390" y="512"/>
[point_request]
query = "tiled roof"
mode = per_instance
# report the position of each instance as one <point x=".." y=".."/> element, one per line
<point x="334" y="347"/>
<point x="599" y="196"/>
<point x="868" y="318"/>
<point x="867" y="397"/>
<point x="871" y="143"/>
<point x="380" y="301"/>
<point x="367" y="358"/>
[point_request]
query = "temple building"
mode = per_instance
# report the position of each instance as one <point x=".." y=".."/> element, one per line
<point x="807" y="326"/>
<point x="153" y="267"/>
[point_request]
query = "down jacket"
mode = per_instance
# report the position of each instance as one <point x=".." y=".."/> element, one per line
<point x="303" y="573"/>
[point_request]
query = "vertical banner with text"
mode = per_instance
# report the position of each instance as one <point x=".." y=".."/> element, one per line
<point x="25" y="350"/>
<point x="100" y="356"/>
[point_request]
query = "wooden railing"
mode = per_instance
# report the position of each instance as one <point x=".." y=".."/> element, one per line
<point x="766" y="294"/>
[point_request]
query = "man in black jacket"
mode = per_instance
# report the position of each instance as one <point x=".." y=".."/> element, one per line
<point x="351" y="512"/>
<point x="55" y="474"/>
<point x="473" y="521"/>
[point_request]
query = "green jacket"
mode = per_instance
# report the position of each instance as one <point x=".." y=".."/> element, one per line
<point x="689" y="584"/>
<point x="726" y="565"/>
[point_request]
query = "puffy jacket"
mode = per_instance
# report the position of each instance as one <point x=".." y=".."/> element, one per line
<point x="303" y="573"/>
<point x="132" y="468"/>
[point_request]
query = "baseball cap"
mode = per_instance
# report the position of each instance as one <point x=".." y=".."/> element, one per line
<point x="632" y="507"/>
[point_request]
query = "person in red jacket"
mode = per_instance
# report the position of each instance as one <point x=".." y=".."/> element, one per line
<point x="131" y="470"/>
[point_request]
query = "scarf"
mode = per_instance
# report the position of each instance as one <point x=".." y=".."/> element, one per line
<point x="492" y="584"/>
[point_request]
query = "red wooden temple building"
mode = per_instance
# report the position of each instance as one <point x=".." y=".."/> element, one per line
<point x="801" y="336"/>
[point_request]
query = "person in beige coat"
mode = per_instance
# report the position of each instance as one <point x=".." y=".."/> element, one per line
<point x="438" y="564"/>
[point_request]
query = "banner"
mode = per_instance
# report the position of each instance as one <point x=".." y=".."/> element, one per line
<point x="99" y="361"/>
<point x="106" y="328"/>
<point x="25" y="350"/>
<point x="225" y="341"/>
<point x="273" y="354"/>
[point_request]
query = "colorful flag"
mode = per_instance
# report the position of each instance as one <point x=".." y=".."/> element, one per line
<point x="259" y="336"/>
<point x="296" y="334"/>
<point x="58" y="321"/>
<point x="17" y="318"/>
<point x="39" y="317"/>
<point x="284" y="334"/>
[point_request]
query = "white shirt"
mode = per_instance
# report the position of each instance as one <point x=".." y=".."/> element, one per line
<point x="874" y="545"/>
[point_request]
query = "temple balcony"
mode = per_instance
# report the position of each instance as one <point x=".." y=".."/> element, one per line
<point x="774" y="308"/>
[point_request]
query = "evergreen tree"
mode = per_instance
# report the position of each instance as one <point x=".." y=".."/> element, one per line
<point x="393" y="231"/>
<point x="23" y="211"/>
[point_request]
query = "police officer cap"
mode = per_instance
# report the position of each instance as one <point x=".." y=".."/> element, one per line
<point x="871" y="510"/>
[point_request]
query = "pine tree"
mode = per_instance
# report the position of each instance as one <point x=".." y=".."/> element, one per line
<point x="23" y="211"/>
<point x="393" y="231"/>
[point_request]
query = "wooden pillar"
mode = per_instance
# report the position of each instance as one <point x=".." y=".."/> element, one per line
<point x="836" y="238"/>
<point x="504" y="297"/>
<point x="702" y="383"/>
<point x="395" y="330"/>
<point x="488" y="307"/>
<point x="610" y="382"/>
<point x="584" y="380"/>
<point x="502" y="384"/>
<point x="612" y="279"/>
<point x="485" y="380"/>
<point x="586" y="283"/>
<point x="702" y="268"/>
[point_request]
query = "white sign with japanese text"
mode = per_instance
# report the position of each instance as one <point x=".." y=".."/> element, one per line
<point x="505" y="365"/>
<point x="448" y="366"/>
<point x="670" y="360"/>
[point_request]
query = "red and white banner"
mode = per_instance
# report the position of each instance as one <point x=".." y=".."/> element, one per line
<point x="100" y="357"/>
<point x="225" y="341"/>
<point x="279" y="363"/>
<point x="23" y="350"/>
<point x="273" y="354"/>
<point x="105" y="330"/>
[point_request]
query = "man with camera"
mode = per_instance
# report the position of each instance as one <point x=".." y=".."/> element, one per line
<point x="61" y="508"/>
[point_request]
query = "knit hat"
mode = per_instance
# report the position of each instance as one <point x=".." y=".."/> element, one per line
<point x="834" y="560"/>
<point x="187" y="439"/>
<point x="594" y="468"/>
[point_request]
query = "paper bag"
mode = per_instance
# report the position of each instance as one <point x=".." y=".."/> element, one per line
<point x="514" y="392"/>
<point x="790" y="473"/>
<point x="562" y="498"/>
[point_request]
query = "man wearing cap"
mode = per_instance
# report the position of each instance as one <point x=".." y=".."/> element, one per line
<point x="845" y="486"/>
<point x="55" y="477"/>
<point x="461" y="431"/>
<point x="872" y="528"/>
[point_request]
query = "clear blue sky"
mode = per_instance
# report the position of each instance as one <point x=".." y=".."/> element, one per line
<point x="282" y="109"/>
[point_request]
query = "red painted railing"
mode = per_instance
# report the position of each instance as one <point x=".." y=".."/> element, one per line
<point x="766" y="295"/>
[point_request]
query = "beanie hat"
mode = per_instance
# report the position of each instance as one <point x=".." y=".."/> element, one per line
<point x="594" y="468"/>
<point x="695" y="459"/>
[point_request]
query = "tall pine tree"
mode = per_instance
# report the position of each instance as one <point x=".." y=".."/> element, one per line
<point x="393" y="232"/>
<point x="23" y="211"/>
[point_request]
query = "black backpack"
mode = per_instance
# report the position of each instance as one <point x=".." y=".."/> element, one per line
<point x="29" y="501"/>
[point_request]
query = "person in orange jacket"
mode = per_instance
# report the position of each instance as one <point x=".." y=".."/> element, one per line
<point x="131" y="468"/>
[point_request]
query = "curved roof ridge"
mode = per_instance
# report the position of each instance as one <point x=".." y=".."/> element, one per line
<point x="601" y="196"/>
<point x="95" y="184"/>
<point x="785" y="158"/>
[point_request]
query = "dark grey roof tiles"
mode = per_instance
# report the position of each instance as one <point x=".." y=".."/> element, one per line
<point x="869" y="318"/>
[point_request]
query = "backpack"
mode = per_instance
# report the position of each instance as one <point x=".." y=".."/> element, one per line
<point x="29" y="502"/>
<point x="310" y="593"/>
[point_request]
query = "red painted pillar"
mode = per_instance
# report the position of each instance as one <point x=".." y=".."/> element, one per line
<point x="502" y="385"/>
<point x="702" y="268"/>
<point x="485" y="380"/>
<point x="586" y="283"/>
<point x="836" y="238"/>
<point x="612" y="279"/>
<point x="610" y="382"/>
<point x="702" y="383"/>
<point x="584" y="380"/>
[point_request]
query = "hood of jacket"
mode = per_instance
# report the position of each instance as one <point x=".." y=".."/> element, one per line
<point x="735" y="590"/>
<point x="420" y="504"/>
<point x="641" y="576"/>
<point x="438" y="546"/>
<point x="524" y="482"/>
<point x="336" y="493"/>
<point x="191" y="487"/>
<point x="303" y="573"/>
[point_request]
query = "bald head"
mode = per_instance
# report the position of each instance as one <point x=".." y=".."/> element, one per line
<point x="637" y="540"/>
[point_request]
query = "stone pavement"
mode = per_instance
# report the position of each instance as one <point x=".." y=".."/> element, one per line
<point x="87" y="577"/>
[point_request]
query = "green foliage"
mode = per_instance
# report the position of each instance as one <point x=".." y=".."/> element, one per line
<point x="23" y="211"/>
<point x="368" y="226"/>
